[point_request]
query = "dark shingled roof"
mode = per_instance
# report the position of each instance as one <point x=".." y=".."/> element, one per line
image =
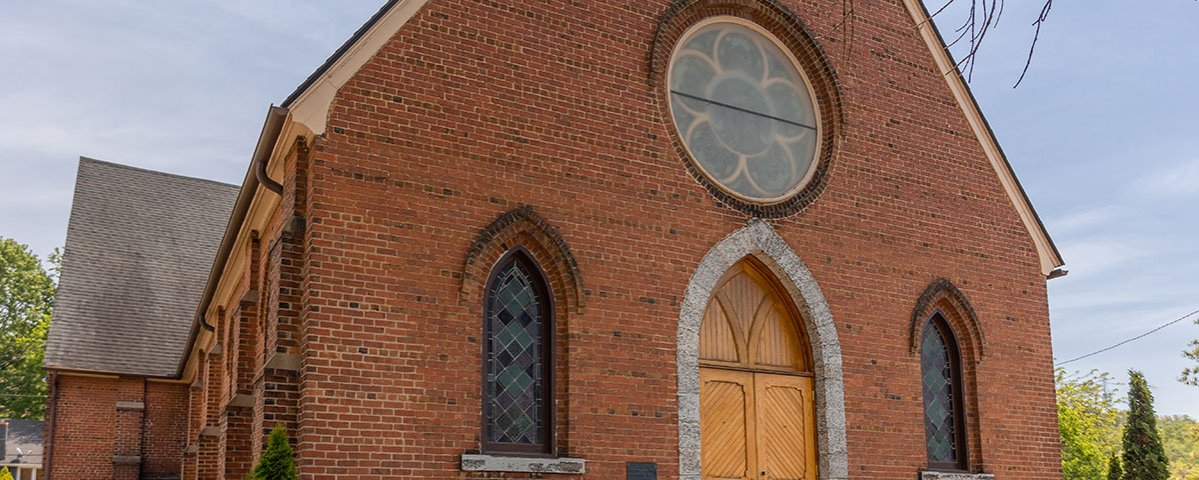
<point x="24" y="442"/>
<point x="140" y="245"/>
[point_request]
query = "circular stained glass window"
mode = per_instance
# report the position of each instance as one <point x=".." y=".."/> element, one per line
<point x="744" y="110"/>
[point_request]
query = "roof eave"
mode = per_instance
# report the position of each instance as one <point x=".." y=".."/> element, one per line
<point x="1049" y="255"/>
<point x="304" y="110"/>
<point x="271" y="128"/>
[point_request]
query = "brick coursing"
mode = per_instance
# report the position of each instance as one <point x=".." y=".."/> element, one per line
<point x="790" y="29"/>
<point x="522" y="227"/>
<point x="942" y="295"/>
<point x="85" y="422"/>
<point x="164" y="436"/>
<point x="367" y="329"/>
<point x="116" y="428"/>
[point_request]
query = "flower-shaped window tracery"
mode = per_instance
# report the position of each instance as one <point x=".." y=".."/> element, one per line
<point x="744" y="110"/>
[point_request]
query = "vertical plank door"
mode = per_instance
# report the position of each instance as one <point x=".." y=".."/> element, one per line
<point x="726" y="424"/>
<point x="785" y="426"/>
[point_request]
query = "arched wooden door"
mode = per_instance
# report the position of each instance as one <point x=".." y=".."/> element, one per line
<point x="757" y="414"/>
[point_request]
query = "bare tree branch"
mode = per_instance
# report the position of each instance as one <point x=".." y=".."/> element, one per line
<point x="982" y="16"/>
<point x="1040" y="20"/>
<point x="847" y="25"/>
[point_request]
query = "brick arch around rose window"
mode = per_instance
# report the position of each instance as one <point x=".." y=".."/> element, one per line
<point x="784" y="24"/>
<point x="944" y="299"/>
<point x="525" y="230"/>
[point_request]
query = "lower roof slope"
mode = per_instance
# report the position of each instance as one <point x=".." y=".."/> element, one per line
<point x="23" y="442"/>
<point x="139" y="248"/>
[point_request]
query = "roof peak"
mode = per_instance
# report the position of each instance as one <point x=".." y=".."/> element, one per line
<point x="139" y="243"/>
<point x="89" y="160"/>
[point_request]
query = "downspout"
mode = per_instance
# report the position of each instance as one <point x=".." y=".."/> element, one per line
<point x="255" y="175"/>
<point x="53" y="408"/>
<point x="145" y="428"/>
<point x="260" y="161"/>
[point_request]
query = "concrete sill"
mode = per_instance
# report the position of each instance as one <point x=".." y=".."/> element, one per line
<point x="926" y="475"/>
<point x="498" y="463"/>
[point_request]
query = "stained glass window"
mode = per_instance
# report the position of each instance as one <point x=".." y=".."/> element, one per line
<point x="942" y="396"/>
<point x="517" y="373"/>
<point x="744" y="110"/>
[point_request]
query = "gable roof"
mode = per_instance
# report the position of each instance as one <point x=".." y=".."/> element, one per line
<point x="23" y="443"/>
<point x="1047" y="252"/>
<point x="309" y="104"/>
<point x="303" y="113"/>
<point x="139" y="248"/>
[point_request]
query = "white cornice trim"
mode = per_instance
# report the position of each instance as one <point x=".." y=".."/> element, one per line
<point x="1049" y="257"/>
<point x="311" y="108"/>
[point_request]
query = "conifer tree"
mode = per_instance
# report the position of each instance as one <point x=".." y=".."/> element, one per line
<point x="1144" y="457"/>
<point x="5" y="474"/>
<point x="1114" y="472"/>
<point x="277" y="461"/>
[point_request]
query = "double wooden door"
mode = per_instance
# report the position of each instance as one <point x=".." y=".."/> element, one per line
<point x="756" y="405"/>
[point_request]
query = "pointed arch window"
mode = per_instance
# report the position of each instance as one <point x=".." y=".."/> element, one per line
<point x="518" y="355"/>
<point x="944" y="425"/>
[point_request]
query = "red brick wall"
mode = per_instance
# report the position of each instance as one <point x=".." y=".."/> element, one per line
<point x="93" y="436"/>
<point x="127" y="438"/>
<point x="165" y="434"/>
<point x="479" y="107"/>
<point x="210" y="462"/>
<point x="83" y="430"/>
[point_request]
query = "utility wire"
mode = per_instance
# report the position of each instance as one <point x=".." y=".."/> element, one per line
<point x="1133" y="339"/>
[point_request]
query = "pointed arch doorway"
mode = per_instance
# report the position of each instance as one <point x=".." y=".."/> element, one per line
<point x="757" y="406"/>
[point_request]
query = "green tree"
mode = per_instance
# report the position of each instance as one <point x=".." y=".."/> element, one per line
<point x="1088" y="421"/>
<point x="277" y="461"/>
<point x="1180" y="439"/>
<point x="26" y="298"/>
<point x="1114" y="472"/>
<point x="1190" y="376"/>
<point x="1144" y="458"/>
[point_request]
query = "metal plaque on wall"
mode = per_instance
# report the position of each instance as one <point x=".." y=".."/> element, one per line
<point x="641" y="471"/>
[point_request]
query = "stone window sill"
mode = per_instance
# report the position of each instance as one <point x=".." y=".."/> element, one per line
<point x="928" y="475"/>
<point x="501" y="463"/>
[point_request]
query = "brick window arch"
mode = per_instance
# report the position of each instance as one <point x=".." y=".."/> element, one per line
<point x="941" y="380"/>
<point x="518" y="356"/>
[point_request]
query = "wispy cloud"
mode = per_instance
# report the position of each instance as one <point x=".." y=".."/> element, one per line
<point x="1085" y="220"/>
<point x="1178" y="180"/>
<point x="1096" y="255"/>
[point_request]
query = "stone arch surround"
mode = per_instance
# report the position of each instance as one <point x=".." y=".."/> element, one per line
<point x="758" y="239"/>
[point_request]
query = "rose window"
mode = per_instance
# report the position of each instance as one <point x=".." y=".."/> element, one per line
<point x="744" y="110"/>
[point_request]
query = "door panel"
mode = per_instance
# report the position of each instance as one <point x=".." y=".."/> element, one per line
<point x="749" y="322"/>
<point x="756" y="405"/>
<point x="726" y="416"/>
<point x="786" y="431"/>
<point x="777" y="342"/>
<point x="718" y="339"/>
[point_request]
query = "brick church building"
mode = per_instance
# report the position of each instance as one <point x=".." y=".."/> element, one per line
<point x="676" y="239"/>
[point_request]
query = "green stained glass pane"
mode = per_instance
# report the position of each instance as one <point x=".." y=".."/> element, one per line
<point x="514" y="359"/>
<point x="940" y="417"/>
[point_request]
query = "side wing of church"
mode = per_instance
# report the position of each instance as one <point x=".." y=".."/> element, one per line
<point x="677" y="239"/>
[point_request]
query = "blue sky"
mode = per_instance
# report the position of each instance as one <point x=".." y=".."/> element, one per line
<point x="1102" y="134"/>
